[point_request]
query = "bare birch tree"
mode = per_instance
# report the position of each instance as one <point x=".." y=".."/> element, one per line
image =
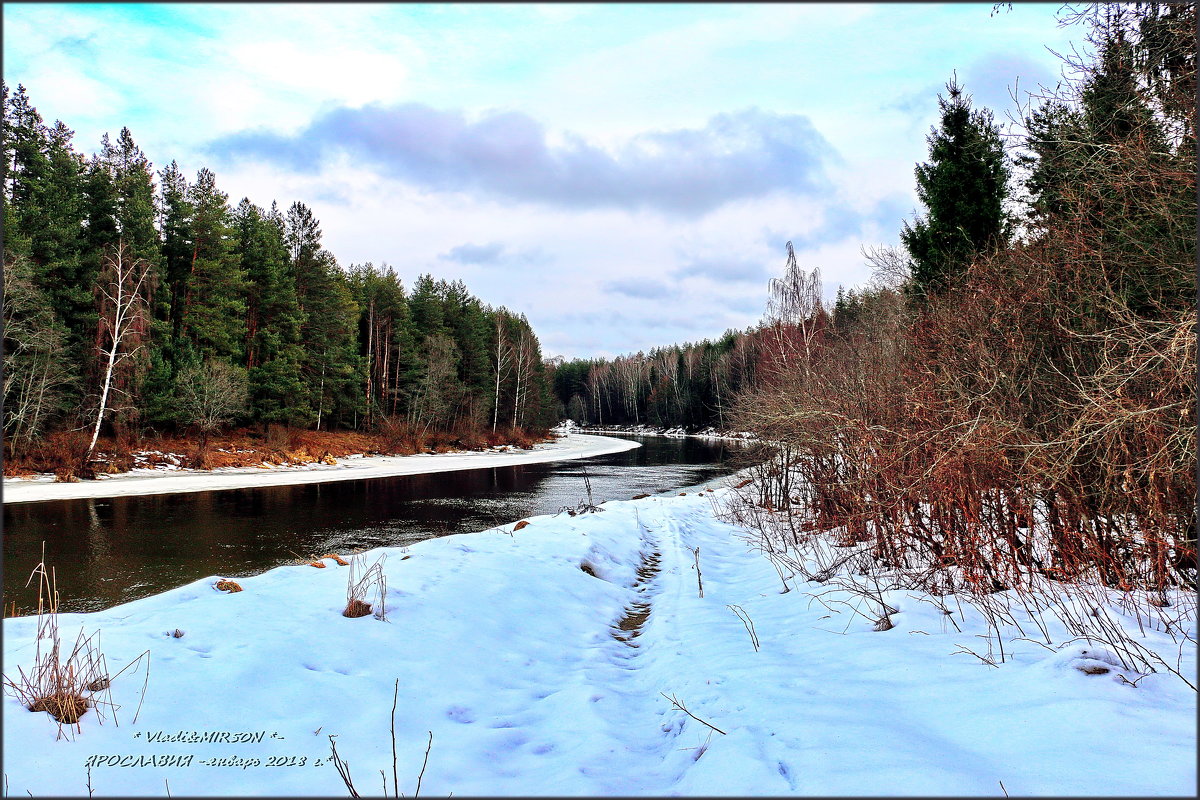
<point x="122" y="294"/>
<point x="503" y="363"/>
<point x="525" y="354"/>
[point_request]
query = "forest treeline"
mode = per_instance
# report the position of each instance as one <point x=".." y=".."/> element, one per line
<point x="1015" y="391"/>
<point x="140" y="301"/>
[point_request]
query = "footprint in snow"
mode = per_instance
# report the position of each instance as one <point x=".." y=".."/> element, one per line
<point x="460" y="714"/>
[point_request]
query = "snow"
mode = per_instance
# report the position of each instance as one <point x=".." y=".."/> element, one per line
<point x="504" y="649"/>
<point x="153" y="481"/>
<point x="676" y="432"/>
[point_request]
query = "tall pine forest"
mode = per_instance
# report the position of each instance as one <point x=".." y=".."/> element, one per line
<point x="141" y="303"/>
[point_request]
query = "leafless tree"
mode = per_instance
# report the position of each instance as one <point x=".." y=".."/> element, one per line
<point x="434" y="400"/>
<point x="211" y="396"/>
<point x="36" y="368"/>
<point x="503" y="363"/>
<point x="124" y="281"/>
<point x="525" y="353"/>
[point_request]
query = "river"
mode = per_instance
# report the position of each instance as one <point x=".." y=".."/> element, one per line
<point x="110" y="551"/>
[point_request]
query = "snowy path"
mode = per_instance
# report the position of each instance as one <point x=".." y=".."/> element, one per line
<point x="509" y="652"/>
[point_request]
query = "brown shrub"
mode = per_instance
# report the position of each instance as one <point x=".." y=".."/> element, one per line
<point x="65" y="475"/>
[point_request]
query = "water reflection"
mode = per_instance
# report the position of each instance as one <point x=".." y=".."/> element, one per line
<point x="112" y="550"/>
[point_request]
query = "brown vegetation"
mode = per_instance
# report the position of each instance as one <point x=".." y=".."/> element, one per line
<point x="62" y="453"/>
<point x="1030" y="422"/>
<point x="64" y="687"/>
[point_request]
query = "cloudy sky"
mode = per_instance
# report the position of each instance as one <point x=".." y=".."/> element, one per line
<point x="625" y="175"/>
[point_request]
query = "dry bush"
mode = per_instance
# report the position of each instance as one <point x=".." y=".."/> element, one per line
<point x="61" y="453"/>
<point x="397" y="435"/>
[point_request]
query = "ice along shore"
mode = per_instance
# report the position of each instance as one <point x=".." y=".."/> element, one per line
<point x="150" y="481"/>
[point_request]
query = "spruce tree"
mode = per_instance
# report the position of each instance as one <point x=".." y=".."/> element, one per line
<point x="963" y="187"/>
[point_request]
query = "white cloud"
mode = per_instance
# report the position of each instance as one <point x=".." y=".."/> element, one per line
<point x="865" y="75"/>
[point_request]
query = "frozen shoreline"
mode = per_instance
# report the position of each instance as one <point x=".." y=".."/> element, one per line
<point x="149" y="481"/>
<point x="710" y="433"/>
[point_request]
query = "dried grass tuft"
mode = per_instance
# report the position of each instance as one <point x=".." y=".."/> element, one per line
<point x="356" y="608"/>
<point x="66" y="687"/>
<point x="66" y="706"/>
<point x="363" y="582"/>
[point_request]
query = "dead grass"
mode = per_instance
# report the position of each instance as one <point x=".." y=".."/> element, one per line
<point x="356" y="608"/>
<point x="363" y="582"/>
<point x="65" y="688"/>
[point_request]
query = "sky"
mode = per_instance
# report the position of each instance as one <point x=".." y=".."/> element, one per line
<point x="625" y="175"/>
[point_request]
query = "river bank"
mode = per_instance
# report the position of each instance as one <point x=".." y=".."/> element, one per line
<point x="655" y="430"/>
<point x="587" y="656"/>
<point x="158" y="481"/>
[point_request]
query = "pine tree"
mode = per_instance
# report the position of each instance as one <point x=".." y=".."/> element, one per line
<point x="215" y="294"/>
<point x="273" y="350"/>
<point x="175" y="224"/>
<point x="963" y="188"/>
<point x="45" y="215"/>
<point x="331" y="366"/>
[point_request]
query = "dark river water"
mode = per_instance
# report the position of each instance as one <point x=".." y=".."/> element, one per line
<point x="109" y="551"/>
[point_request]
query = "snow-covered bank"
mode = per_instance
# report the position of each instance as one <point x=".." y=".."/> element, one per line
<point x="570" y="426"/>
<point x="149" y="481"/>
<point x="504" y="649"/>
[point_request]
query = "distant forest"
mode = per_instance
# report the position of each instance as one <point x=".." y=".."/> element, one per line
<point x="139" y="301"/>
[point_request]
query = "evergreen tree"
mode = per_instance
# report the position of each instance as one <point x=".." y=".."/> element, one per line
<point x="45" y="213"/>
<point x="175" y="223"/>
<point x="273" y="351"/>
<point x="133" y="180"/>
<point x="963" y="188"/>
<point x="331" y="367"/>
<point x="215" y="294"/>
